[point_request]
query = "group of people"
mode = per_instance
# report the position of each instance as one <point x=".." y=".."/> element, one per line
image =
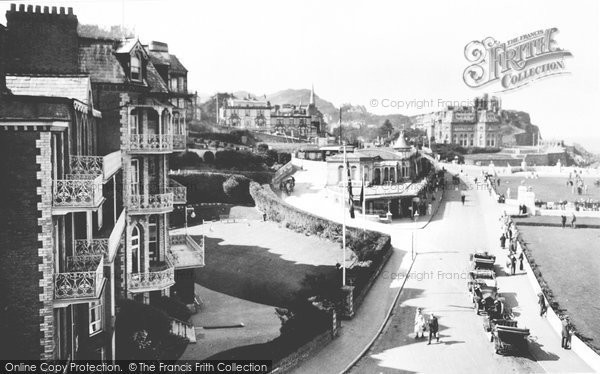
<point x="509" y="232"/>
<point x="422" y="325"/>
<point x="577" y="184"/>
<point x="563" y="221"/>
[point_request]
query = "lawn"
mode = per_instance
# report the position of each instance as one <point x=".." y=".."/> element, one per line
<point x="261" y="262"/>
<point x="548" y="188"/>
<point x="570" y="263"/>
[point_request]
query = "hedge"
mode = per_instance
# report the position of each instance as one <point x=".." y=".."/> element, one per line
<point x="365" y="244"/>
<point x="207" y="187"/>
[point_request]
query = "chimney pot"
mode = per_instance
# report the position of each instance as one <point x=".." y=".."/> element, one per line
<point x="46" y="9"/>
<point x="53" y="10"/>
<point x="38" y="9"/>
<point x="21" y="7"/>
<point x="29" y="8"/>
<point x="70" y="10"/>
<point x="62" y="10"/>
<point x="13" y="7"/>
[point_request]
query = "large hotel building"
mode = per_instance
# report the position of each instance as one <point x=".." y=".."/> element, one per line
<point x="87" y="124"/>
<point x="477" y="125"/>
<point x="302" y="121"/>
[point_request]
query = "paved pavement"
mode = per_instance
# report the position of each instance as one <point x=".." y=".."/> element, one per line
<point x="261" y="324"/>
<point x="437" y="283"/>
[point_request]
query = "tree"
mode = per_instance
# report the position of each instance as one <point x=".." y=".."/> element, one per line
<point x="237" y="188"/>
<point x="209" y="157"/>
<point x="386" y="128"/>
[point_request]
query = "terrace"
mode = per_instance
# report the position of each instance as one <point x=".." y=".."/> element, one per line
<point x="77" y="193"/>
<point x="186" y="253"/>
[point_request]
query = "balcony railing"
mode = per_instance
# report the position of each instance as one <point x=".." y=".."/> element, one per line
<point x="81" y="192"/>
<point x="84" y="166"/>
<point x="151" y="280"/>
<point x="179" y="192"/>
<point x="93" y="247"/>
<point x="149" y="143"/>
<point x="185" y="252"/>
<point x="179" y="143"/>
<point x="83" y="279"/>
<point x="159" y="203"/>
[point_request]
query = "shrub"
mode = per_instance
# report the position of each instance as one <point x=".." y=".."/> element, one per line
<point x="140" y="329"/>
<point x="236" y="187"/>
<point x="207" y="187"/>
<point x="364" y="244"/>
<point x="262" y="147"/>
<point x="209" y="157"/>
<point x="184" y="159"/>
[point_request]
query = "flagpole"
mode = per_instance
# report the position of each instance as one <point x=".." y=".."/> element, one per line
<point x="364" y="201"/>
<point x="344" y="218"/>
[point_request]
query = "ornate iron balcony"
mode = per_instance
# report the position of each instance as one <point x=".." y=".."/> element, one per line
<point x="179" y="143"/>
<point x="83" y="279"/>
<point x="149" y="143"/>
<point x="144" y="204"/>
<point x="178" y="190"/>
<point x="151" y="280"/>
<point x="77" y="191"/>
<point x="93" y="247"/>
<point x="83" y="167"/>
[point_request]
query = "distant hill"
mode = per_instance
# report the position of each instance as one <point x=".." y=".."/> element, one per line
<point x="356" y="115"/>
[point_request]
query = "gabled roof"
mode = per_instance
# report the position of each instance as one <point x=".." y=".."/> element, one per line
<point x="160" y="57"/>
<point x="74" y="86"/>
<point x="154" y="79"/>
<point x="99" y="61"/>
<point x="129" y="45"/>
<point x="176" y="65"/>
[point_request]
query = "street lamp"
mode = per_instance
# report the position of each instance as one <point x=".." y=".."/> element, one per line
<point x="193" y="215"/>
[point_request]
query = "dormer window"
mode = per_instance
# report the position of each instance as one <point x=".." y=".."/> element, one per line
<point x="136" y="68"/>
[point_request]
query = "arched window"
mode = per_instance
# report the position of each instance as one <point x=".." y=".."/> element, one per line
<point x="353" y="171"/>
<point x="393" y="175"/>
<point x="340" y="173"/>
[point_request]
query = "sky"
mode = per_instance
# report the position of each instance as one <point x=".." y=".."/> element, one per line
<point x="369" y="53"/>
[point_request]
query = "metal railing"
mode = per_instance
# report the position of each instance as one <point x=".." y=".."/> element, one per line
<point x="178" y="190"/>
<point x="152" y="280"/>
<point x="84" y="280"/>
<point x="93" y="247"/>
<point x="179" y="142"/>
<point x="149" y="143"/>
<point x="151" y="203"/>
<point x="196" y="249"/>
<point x="86" y="165"/>
<point x="77" y="193"/>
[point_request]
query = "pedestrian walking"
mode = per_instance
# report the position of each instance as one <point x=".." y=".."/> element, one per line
<point x="566" y="331"/>
<point x="463" y="197"/>
<point x="542" y="304"/>
<point x="563" y="219"/>
<point x="573" y="219"/>
<point x="508" y="193"/>
<point x="502" y="241"/>
<point x="513" y="264"/>
<point x="433" y="328"/>
<point x="521" y="261"/>
<point x="419" y="323"/>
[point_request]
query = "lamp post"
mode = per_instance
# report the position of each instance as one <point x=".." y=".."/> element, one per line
<point x="193" y="215"/>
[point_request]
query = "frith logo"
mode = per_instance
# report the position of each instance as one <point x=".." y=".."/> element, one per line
<point x="514" y="63"/>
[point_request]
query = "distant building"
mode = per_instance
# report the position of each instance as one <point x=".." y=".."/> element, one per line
<point x="302" y="121"/>
<point x="391" y="176"/>
<point x="468" y="126"/>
